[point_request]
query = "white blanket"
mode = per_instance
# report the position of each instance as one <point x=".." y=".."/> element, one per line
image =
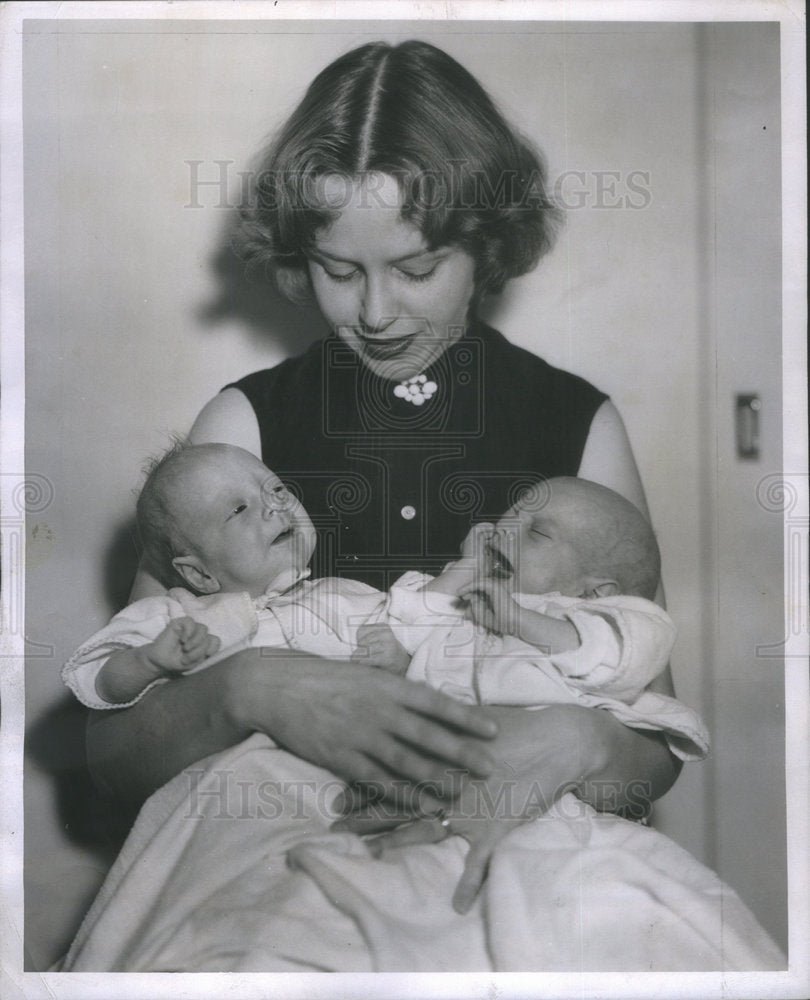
<point x="231" y="867"/>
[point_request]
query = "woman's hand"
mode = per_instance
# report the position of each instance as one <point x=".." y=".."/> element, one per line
<point x="538" y="756"/>
<point x="363" y="724"/>
<point x="366" y="725"/>
<point x="532" y="769"/>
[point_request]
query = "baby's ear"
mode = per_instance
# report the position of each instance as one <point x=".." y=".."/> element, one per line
<point x="193" y="571"/>
<point x="600" y="588"/>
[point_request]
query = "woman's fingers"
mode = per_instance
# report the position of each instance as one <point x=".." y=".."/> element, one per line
<point x="472" y="878"/>
<point x="366" y="725"/>
<point x="412" y="738"/>
<point x="420" y="831"/>
<point x="368" y="822"/>
<point x="419" y="748"/>
<point x="470" y="719"/>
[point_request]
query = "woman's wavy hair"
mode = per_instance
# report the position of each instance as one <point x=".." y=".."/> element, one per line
<point x="466" y="178"/>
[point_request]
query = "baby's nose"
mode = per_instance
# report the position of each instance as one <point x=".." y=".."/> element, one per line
<point x="275" y="498"/>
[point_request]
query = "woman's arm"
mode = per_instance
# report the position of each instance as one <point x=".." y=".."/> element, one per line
<point x="608" y="459"/>
<point x="362" y="724"/>
<point x="228" y="418"/>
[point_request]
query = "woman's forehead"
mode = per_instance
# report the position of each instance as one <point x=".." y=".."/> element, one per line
<point x="369" y="223"/>
<point x="338" y="192"/>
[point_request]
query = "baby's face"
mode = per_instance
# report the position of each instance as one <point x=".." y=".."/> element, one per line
<point x="534" y="549"/>
<point x="248" y="529"/>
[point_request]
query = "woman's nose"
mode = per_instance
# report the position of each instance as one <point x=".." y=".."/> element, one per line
<point x="377" y="308"/>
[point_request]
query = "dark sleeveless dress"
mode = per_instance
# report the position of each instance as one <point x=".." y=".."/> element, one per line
<point x="393" y="487"/>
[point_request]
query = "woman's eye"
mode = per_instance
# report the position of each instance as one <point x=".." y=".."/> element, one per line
<point x="340" y="275"/>
<point x="238" y="509"/>
<point x="419" y="275"/>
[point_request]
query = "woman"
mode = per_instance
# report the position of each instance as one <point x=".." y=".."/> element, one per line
<point x="398" y="197"/>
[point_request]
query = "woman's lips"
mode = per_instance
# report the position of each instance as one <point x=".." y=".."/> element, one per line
<point x="383" y="350"/>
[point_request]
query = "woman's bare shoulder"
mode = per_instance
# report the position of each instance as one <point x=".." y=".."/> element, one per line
<point x="608" y="457"/>
<point x="228" y="418"/>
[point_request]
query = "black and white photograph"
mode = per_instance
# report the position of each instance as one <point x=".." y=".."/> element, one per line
<point x="404" y="500"/>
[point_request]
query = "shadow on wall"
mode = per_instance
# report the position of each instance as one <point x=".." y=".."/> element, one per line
<point x="121" y="564"/>
<point x="248" y="296"/>
<point x="55" y="743"/>
<point x="250" y="299"/>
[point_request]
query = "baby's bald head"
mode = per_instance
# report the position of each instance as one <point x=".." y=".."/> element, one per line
<point x="573" y="533"/>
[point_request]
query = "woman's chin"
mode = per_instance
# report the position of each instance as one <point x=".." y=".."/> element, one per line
<point x="399" y="368"/>
<point x="399" y="360"/>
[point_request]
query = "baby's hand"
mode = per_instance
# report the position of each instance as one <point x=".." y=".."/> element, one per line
<point x="474" y="544"/>
<point x="470" y="565"/>
<point x="492" y="606"/>
<point x="182" y="645"/>
<point x="377" y="646"/>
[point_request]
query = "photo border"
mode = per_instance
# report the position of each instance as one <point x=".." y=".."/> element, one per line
<point x="793" y="983"/>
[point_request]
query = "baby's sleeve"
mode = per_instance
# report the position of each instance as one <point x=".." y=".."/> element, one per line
<point x="136" y="625"/>
<point x="625" y="642"/>
<point x="230" y="617"/>
<point x="683" y="729"/>
<point x="411" y="611"/>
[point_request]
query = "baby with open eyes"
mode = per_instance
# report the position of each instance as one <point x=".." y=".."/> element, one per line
<point x="551" y="604"/>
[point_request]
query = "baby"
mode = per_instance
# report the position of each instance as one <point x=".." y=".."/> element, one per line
<point x="562" y="587"/>
<point x="232" y="545"/>
<point x="218" y="523"/>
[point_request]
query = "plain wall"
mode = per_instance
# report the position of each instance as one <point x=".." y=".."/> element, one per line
<point x="136" y="314"/>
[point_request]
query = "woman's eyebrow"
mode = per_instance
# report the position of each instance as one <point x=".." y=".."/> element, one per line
<point x="424" y="252"/>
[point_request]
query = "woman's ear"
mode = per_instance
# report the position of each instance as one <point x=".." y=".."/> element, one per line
<point x="597" y="587"/>
<point x="193" y="571"/>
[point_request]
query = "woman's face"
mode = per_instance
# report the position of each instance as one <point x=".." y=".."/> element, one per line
<point x="393" y="301"/>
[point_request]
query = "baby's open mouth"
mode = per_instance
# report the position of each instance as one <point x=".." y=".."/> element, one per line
<point x="282" y="536"/>
<point x="498" y="565"/>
